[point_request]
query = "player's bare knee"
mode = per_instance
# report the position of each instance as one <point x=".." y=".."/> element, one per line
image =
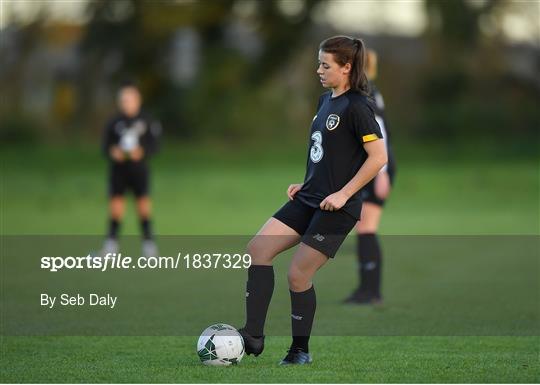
<point x="363" y="228"/>
<point x="260" y="255"/>
<point x="143" y="207"/>
<point x="117" y="207"/>
<point x="298" y="281"/>
<point x="253" y="248"/>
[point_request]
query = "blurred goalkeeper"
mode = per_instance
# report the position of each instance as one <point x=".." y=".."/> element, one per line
<point x="130" y="139"/>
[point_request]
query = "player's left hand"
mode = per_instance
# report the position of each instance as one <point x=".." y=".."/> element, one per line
<point x="136" y="154"/>
<point x="334" y="202"/>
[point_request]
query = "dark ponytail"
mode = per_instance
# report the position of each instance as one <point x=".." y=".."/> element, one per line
<point x="349" y="50"/>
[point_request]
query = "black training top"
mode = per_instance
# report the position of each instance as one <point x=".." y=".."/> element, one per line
<point x="380" y="116"/>
<point x="336" y="153"/>
<point x="128" y="133"/>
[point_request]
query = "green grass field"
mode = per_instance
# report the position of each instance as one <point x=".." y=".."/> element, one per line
<point x="223" y="191"/>
<point x="337" y="360"/>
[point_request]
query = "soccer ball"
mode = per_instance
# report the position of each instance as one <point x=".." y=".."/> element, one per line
<point x="221" y="345"/>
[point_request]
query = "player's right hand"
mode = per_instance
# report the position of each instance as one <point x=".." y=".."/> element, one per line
<point x="293" y="189"/>
<point x="117" y="154"/>
<point x="136" y="154"/>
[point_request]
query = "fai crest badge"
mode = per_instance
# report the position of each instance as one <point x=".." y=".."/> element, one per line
<point x="332" y="122"/>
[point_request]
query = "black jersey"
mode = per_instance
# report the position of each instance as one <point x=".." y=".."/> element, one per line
<point x="336" y="153"/>
<point x="129" y="133"/>
<point x="380" y="116"/>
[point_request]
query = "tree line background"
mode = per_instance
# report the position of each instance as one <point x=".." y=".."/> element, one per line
<point x="240" y="71"/>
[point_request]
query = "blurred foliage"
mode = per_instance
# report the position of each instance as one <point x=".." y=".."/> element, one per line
<point x="225" y="91"/>
<point x="466" y="91"/>
<point x="19" y="129"/>
<point x="253" y="72"/>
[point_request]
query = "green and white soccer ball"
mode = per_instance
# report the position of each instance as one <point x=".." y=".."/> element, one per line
<point x="220" y="345"/>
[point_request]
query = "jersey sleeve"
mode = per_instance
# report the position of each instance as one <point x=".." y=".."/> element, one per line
<point x="109" y="138"/>
<point x="379" y="100"/>
<point x="150" y="140"/>
<point x="364" y="124"/>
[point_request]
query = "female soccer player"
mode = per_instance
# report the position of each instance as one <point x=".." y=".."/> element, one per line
<point x="345" y="154"/>
<point x="374" y="195"/>
<point x="129" y="140"/>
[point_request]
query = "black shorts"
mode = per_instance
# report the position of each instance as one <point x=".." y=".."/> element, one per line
<point x="323" y="230"/>
<point x="129" y="176"/>
<point x="368" y="191"/>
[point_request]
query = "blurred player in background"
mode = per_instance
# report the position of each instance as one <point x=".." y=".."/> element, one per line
<point x="130" y="139"/>
<point x="374" y="195"/>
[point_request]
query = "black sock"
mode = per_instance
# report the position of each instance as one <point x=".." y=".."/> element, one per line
<point x="370" y="258"/>
<point x="303" y="306"/>
<point x="114" y="226"/>
<point x="259" y="290"/>
<point x="146" y="229"/>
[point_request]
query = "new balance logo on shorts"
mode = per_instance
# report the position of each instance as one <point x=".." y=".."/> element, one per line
<point x="297" y="317"/>
<point x="319" y="237"/>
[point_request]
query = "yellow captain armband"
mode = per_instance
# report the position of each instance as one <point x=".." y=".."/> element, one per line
<point x="369" y="138"/>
